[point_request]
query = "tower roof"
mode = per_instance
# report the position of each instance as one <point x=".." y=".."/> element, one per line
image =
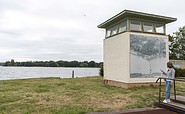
<point x="134" y="14"/>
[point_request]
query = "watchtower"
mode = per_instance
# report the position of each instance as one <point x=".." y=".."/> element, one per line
<point x="135" y="48"/>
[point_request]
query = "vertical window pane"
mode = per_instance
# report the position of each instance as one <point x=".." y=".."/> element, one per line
<point x="108" y="32"/>
<point x="122" y="27"/>
<point x="159" y="28"/>
<point x="114" y="30"/>
<point x="148" y="27"/>
<point x="135" y="25"/>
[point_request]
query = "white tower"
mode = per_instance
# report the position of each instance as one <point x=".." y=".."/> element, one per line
<point x="135" y="48"/>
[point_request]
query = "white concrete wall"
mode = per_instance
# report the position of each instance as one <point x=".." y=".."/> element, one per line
<point x="116" y="58"/>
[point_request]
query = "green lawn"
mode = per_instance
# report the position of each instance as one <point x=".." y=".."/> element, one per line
<point x="70" y="96"/>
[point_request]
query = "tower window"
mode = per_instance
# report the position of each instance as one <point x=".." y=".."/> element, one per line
<point x="108" y="32"/>
<point x="114" y="30"/>
<point x="122" y="27"/>
<point x="135" y="25"/>
<point x="159" y="28"/>
<point x="147" y="27"/>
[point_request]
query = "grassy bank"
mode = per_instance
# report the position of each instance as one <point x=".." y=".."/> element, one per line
<point x="70" y="96"/>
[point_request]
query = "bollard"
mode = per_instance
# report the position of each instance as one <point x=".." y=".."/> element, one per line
<point x="73" y="74"/>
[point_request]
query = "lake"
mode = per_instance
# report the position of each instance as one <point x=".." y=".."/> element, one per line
<point x="9" y="73"/>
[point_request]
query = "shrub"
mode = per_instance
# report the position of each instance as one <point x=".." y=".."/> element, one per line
<point x="101" y="71"/>
<point x="179" y="72"/>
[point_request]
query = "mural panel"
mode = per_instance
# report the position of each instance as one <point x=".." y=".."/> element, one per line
<point x="147" y="56"/>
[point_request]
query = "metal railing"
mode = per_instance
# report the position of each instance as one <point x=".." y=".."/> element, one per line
<point x="175" y="88"/>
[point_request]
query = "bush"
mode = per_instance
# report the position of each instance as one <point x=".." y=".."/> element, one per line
<point x="179" y="72"/>
<point x="101" y="71"/>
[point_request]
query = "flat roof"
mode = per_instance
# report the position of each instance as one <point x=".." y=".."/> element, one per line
<point x="134" y="14"/>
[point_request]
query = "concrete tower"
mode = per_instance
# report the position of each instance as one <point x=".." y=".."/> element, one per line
<point x="135" y="48"/>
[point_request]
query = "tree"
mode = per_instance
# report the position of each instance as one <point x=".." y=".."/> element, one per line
<point x="60" y="63"/>
<point x="177" y="45"/>
<point x="12" y="62"/>
<point x="1" y="64"/>
<point x="53" y="64"/>
<point x="7" y="63"/>
<point x="92" y="64"/>
<point x="74" y="64"/>
<point x="83" y="65"/>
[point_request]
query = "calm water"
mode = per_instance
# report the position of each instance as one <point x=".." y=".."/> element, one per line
<point x="9" y="73"/>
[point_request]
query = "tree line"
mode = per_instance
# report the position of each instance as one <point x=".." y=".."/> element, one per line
<point x="59" y="63"/>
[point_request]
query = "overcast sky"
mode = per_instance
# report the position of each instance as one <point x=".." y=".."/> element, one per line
<point x="32" y="30"/>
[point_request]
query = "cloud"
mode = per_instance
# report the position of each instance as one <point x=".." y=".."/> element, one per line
<point x="67" y="30"/>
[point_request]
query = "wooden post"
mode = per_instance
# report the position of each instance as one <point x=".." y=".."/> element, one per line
<point x="160" y="91"/>
<point x="174" y="90"/>
<point x="73" y="74"/>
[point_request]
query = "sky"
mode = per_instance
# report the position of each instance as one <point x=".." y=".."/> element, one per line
<point x="43" y="30"/>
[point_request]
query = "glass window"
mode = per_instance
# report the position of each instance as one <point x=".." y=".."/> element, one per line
<point x="114" y="30"/>
<point x="122" y="27"/>
<point x="135" y="25"/>
<point x="108" y="32"/>
<point x="159" y="28"/>
<point x="147" y="27"/>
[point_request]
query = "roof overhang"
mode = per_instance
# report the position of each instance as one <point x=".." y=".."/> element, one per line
<point x="139" y="15"/>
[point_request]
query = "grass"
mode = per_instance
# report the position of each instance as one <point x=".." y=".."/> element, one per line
<point x="71" y="96"/>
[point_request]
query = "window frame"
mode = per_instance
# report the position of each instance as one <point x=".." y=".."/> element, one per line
<point x="163" y="28"/>
<point x="125" y="21"/>
<point x="131" y="26"/>
<point x="128" y="23"/>
<point x="112" y="29"/>
<point x="153" y="31"/>
<point x="107" y="32"/>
